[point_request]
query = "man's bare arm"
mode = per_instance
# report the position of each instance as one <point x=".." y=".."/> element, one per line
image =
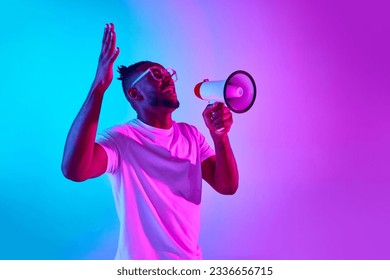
<point x="83" y="158"/>
<point x="220" y="171"/>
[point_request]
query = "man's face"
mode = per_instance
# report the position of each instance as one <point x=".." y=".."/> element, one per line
<point x="160" y="92"/>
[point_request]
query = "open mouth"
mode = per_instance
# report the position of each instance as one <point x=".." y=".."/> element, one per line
<point x="169" y="90"/>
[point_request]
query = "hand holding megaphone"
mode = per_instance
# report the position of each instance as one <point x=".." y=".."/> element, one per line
<point x="238" y="91"/>
<point x="218" y="118"/>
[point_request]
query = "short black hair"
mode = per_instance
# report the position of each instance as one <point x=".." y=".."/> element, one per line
<point x="126" y="74"/>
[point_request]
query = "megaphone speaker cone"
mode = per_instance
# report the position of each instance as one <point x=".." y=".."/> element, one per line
<point x="247" y="93"/>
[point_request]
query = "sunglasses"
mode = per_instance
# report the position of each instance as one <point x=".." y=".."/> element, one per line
<point x="158" y="74"/>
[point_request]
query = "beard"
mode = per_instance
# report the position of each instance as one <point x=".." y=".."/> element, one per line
<point x="168" y="103"/>
<point x="173" y="104"/>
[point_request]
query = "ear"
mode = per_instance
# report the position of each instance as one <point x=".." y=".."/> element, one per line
<point x="133" y="93"/>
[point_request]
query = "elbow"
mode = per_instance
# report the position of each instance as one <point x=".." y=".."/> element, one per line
<point x="231" y="190"/>
<point x="71" y="175"/>
<point x="74" y="178"/>
<point x="230" y="185"/>
<point x="227" y="189"/>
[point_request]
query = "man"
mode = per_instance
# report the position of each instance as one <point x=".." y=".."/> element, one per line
<point x="155" y="165"/>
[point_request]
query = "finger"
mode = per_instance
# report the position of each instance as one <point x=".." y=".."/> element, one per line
<point x="225" y="126"/>
<point x="224" y="113"/>
<point x="208" y="110"/>
<point x="226" y="119"/>
<point x="107" y="41"/>
<point x="216" y="112"/>
<point x="112" y="43"/>
<point x="109" y="44"/>
<point x="112" y="48"/>
<point x="228" y="122"/>
<point x="219" y="126"/>
<point x="105" y="35"/>
<point x="107" y="51"/>
<point x="222" y="118"/>
<point x="210" y="106"/>
<point x="219" y="122"/>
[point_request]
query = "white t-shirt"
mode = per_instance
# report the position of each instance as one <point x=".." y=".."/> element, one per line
<point x="156" y="179"/>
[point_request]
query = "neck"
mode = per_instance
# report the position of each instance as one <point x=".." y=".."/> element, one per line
<point x="163" y="121"/>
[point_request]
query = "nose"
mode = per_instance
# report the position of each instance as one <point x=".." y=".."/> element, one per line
<point x="167" y="77"/>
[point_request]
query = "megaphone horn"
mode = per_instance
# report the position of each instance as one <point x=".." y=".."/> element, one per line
<point x="238" y="91"/>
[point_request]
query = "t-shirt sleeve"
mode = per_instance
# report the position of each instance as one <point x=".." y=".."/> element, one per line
<point x="205" y="149"/>
<point x="109" y="140"/>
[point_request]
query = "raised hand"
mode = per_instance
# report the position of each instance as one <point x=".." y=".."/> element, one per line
<point x="108" y="54"/>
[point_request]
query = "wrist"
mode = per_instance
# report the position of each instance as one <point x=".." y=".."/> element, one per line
<point x="220" y="139"/>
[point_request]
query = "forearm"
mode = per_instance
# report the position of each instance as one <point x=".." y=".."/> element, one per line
<point x="79" y="146"/>
<point x="226" y="172"/>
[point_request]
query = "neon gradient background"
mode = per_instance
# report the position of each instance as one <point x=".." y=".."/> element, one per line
<point x="313" y="152"/>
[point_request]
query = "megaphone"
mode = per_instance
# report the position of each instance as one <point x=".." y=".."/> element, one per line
<point x="238" y="91"/>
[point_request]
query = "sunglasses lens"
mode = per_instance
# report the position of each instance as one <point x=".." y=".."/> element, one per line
<point x="161" y="73"/>
<point x="156" y="73"/>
